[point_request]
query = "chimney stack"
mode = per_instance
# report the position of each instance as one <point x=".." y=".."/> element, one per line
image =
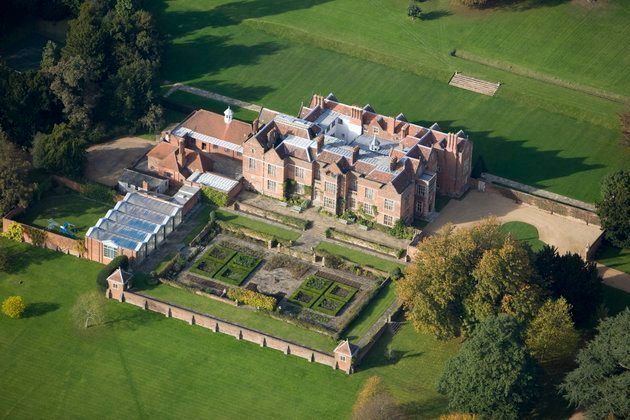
<point x="181" y="152"/>
<point x="145" y="185"/>
<point x="451" y="142"/>
<point x="320" y="143"/>
<point x="355" y="154"/>
<point x="393" y="162"/>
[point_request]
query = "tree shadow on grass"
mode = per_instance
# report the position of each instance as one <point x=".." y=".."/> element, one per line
<point x="39" y="308"/>
<point x="436" y="14"/>
<point x="23" y="256"/>
<point x="228" y="14"/>
<point x="516" y="160"/>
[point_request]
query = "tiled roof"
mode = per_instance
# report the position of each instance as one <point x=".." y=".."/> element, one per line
<point x="210" y="124"/>
<point x="162" y="150"/>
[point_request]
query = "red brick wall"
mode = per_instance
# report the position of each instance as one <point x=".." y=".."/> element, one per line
<point x="237" y="331"/>
<point x="53" y="241"/>
<point x="73" y="185"/>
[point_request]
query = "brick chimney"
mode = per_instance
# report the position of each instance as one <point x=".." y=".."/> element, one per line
<point x="145" y="185"/>
<point x="271" y="138"/>
<point x="355" y="155"/>
<point x="393" y="162"/>
<point x="255" y="125"/>
<point x="451" y="142"/>
<point x="404" y="131"/>
<point x="181" y="152"/>
<point x="320" y="143"/>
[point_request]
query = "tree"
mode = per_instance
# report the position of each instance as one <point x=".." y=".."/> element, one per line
<point x="414" y="11"/>
<point x="15" y="188"/>
<point x="460" y="277"/>
<point x="614" y="208"/>
<point x="500" y="274"/>
<point x="89" y="309"/>
<point x="551" y="337"/>
<point x="571" y="277"/>
<point x="13" y="307"/>
<point x="61" y="151"/>
<point x="492" y="375"/>
<point x="375" y="402"/>
<point x="601" y="381"/>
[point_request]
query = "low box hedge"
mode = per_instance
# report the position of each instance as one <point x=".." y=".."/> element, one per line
<point x="341" y="292"/>
<point x="328" y="305"/>
<point x="303" y="298"/>
<point x="316" y="284"/>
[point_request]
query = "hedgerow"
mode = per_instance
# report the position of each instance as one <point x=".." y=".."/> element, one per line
<point x="251" y="298"/>
<point x="121" y="261"/>
<point x="214" y="197"/>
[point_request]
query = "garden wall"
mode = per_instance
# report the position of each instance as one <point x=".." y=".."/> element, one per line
<point x="290" y="221"/>
<point x="364" y="243"/>
<point x="52" y="240"/>
<point x="218" y="325"/>
<point x="544" y="200"/>
<point x="73" y="185"/>
<point x="377" y="329"/>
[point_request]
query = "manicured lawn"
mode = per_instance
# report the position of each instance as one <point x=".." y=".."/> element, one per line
<point x="201" y="219"/>
<point x="212" y="105"/>
<point x="613" y="257"/>
<point x="524" y="232"/>
<point x="262" y="227"/>
<point x="72" y="208"/>
<point x="359" y="257"/>
<point x="164" y="368"/>
<point x="277" y="54"/>
<point x="368" y="316"/>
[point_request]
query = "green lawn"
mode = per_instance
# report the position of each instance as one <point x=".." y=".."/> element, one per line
<point x="262" y="227"/>
<point x="201" y="219"/>
<point x="613" y="257"/>
<point x="212" y="105"/>
<point x="71" y="207"/>
<point x="164" y="368"/>
<point x="279" y="53"/>
<point x="243" y="316"/>
<point x="524" y="232"/>
<point x="359" y="257"/>
<point x="368" y="316"/>
<point x="615" y="300"/>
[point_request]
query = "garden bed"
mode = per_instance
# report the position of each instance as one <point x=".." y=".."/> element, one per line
<point x="225" y="264"/>
<point x="323" y="295"/>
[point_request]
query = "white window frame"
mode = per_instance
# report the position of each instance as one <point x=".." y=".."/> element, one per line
<point x="419" y="206"/>
<point x="388" y="204"/>
<point x="330" y="203"/>
<point x="386" y="218"/>
<point x="369" y="193"/>
<point x="271" y="185"/>
<point x="252" y="164"/>
<point x="109" y="252"/>
<point x="299" y="172"/>
<point x="367" y="209"/>
<point x="271" y="169"/>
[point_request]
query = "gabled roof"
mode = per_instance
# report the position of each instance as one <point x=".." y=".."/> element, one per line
<point x="120" y="276"/>
<point x="346" y="349"/>
<point x="213" y="125"/>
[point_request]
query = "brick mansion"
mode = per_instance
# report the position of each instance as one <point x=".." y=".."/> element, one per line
<point x="342" y="157"/>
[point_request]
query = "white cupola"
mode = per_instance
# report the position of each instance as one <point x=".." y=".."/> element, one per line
<point x="228" y="115"/>
<point x="375" y="144"/>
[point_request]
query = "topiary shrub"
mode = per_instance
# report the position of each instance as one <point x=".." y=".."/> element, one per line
<point x="13" y="307"/>
<point x="121" y="261"/>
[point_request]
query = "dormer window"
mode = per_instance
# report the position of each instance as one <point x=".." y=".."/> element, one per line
<point x="375" y="130"/>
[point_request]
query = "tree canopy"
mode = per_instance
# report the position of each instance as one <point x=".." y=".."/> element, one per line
<point x="551" y="337"/>
<point x="374" y="402"/>
<point x="62" y="151"/>
<point x="492" y="375"/>
<point x="460" y="277"/>
<point x="15" y="187"/>
<point x="601" y="381"/>
<point x="614" y="208"/>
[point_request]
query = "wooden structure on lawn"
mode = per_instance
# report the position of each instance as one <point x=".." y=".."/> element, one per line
<point x="474" y="85"/>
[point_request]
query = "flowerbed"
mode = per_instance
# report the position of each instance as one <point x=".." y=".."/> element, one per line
<point x="303" y="298"/>
<point x="341" y="292"/>
<point x="226" y="264"/>
<point x="328" y="305"/>
<point x="323" y="295"/>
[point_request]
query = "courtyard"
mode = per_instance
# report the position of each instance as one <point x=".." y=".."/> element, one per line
<point x="106" y="161"/>
<point x="566" y="234"/>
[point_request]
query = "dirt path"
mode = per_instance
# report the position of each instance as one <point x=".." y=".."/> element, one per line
<point x="106" y="161"/>
<point x="213" y="96"/>
<point x="614" y="278"/>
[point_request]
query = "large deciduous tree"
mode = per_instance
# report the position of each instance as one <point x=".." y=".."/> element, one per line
<point x="89" y="309"/>
<point x="601" y="381"/>
<point x="551" y="337"/>
<point x="15" y="188"/>
<point x="614" y="208"/>
<point x="62" y="151"/>
<point x="492" y="375"/>
<point x="459" y="277"/>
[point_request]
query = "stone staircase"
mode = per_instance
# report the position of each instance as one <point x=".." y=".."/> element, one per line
<point x="474" y="85"/>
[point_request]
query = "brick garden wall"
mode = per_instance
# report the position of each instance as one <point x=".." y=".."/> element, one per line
<point x="52" y="240"/>
<point x="217" y="325"/>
